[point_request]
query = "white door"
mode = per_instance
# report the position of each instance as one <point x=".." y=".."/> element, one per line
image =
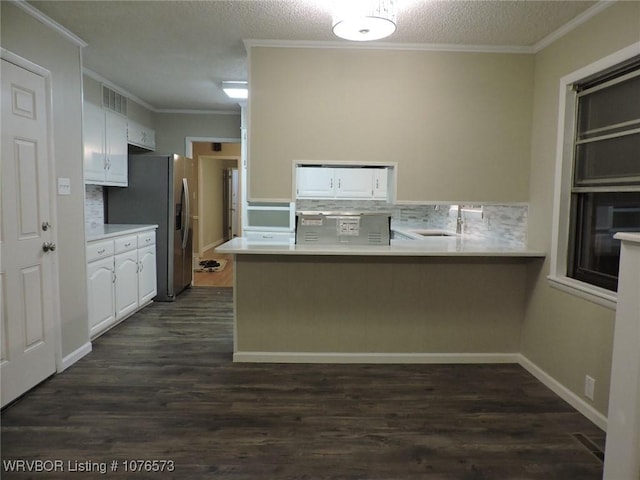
<point x="27" y="352"/>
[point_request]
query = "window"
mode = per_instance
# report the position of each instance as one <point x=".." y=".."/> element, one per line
<point x="605" y="188"/>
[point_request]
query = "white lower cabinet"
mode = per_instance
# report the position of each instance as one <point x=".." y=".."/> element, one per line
<point x="147" y="285"/>
<point x="121" y="275"/>
<point x="101" y="295"/>
<point x="126" y="284"/>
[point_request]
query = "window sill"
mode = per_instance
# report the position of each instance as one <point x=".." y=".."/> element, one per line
<point x="600" y="296"/>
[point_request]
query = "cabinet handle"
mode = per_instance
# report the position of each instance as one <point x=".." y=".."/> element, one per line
<point x="377" y="183"/>
<point x="331" y="183"/>
<point x="127" y="244"/>
<point x="113" y="276"/>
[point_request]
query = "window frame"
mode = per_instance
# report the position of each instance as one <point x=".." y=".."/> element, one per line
<point x="567" y="122"/>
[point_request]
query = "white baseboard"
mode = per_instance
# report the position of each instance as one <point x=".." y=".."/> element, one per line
<point x="563" y="392"/>
<point x="322" y="357"/>
<point x="76" y="355"/>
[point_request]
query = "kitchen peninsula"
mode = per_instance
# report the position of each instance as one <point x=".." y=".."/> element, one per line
<point x="441" y="299"/>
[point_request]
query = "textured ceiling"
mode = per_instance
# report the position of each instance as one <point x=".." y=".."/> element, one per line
<point x="174" y="54"/>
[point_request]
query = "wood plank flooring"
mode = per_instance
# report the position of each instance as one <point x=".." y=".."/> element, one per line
<point x="215" y="279"/>
<point x="162" y="386"/>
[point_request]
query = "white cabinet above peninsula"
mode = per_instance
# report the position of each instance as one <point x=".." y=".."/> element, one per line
<point x="342" y="182"/>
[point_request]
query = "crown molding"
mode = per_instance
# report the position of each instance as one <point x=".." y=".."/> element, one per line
<point x="44" y="19"/>
<point x="584" y="17"/>
<point x="442" y="47"/>
<point x="197" y="112"/>
<point x="96" y="76"/>
<point x="432" y="47"/>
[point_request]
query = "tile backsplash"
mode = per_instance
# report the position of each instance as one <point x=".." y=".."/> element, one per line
<point x="496" y="222"/>
<point x="93" y="205"/>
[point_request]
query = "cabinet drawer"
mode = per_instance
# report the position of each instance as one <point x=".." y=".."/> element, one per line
<point x="146" y="238"/>
<point x="98" y="250"/>
<point x="124" y="244"/>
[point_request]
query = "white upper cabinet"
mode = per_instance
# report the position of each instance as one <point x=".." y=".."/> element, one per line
<point x="353" y="182"/>
<point x="315" y="182"/>
<point x="105" y="147"/>
<point x="380" y="183"/>
<point x="141" y="136"/>
<point x="342" y="182"/>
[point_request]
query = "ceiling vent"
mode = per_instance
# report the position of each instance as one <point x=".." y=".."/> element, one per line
<point x="112" y="100"/>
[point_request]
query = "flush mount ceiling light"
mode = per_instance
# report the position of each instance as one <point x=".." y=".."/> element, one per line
<point x="364" y="20"/>
<point x="236" y="90"/>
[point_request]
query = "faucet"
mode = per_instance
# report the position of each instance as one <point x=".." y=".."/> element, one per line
<point x="459" y="221"/>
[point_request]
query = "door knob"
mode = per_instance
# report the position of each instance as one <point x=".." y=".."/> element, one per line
<point x="48" y="247"/>
<point x="45" y="226"/>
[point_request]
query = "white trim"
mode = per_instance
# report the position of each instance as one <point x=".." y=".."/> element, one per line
<point x="44" y="19"/>
<point x="600" y="296"/>
<point x="584" y="17"/>
<point x="196" y="112"/>
<point x="188" y="142"/>
<point x="99" y="78"/>
<point x="74" y="356"/>
<point x="377" y="358"/>
<point x="429" y="47"/>
<point x="562" y="181"/>
<point x="96" y="76"/>
<point x="563" y="392"/>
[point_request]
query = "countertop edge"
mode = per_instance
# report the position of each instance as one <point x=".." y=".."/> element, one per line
<point x="243" y="248"/>
<point x="111" y="230"/>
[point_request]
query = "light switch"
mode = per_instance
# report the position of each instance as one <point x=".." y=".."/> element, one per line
<point x="64" y="186"/>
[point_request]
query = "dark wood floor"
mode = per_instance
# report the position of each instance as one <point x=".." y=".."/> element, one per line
<point x="162" y="386"/>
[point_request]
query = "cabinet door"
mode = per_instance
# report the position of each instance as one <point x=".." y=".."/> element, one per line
<point x="147" y="285"/>
<point x="380" y="179"/>
<point x="314" y="182"/>
<point x="116" y="149"/>
<point x="126" y="267"/>
<point x="354" y="182"/>
<point x="94" y="143"/>
<point x="101" y="295"/>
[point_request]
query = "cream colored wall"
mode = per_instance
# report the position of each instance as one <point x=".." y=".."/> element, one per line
<point x="211" y="164"/>
<point x="30" y="39"/>
<point x="352" y="304"/>
<point x="458" y="124"/>
<point x="566" y="336"/>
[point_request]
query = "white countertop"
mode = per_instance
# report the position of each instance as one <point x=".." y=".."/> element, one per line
<point x="427" y="247"/>
<point x="628" y="236"/>
<point x="108" y="230"/>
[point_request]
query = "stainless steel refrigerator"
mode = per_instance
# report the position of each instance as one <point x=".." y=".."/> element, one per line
<point x="158" y="193"/>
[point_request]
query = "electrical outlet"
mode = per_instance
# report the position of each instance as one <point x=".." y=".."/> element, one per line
<point x="589" y="387"/>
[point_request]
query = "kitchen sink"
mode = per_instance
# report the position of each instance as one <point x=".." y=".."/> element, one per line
<point x="433" y="233"/>
<point x="421" y="233"/>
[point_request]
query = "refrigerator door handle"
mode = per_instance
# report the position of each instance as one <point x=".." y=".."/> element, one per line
<point x="186" y="212"/>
